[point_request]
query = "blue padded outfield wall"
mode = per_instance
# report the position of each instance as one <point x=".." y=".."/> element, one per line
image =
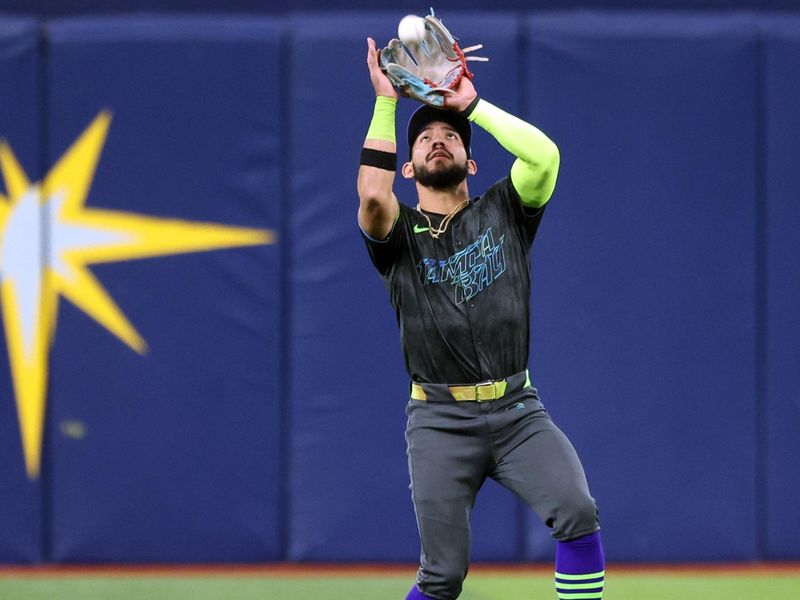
<point x="21" y="500"/>
<point x="224" y="378"/>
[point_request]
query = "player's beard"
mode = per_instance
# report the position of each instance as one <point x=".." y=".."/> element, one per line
<point x="444" y="178"/>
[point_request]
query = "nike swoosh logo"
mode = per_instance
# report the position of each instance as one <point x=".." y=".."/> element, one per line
<point x="418" y="229"/>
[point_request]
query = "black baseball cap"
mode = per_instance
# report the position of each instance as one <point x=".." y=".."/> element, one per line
<point x="426" y="114"/>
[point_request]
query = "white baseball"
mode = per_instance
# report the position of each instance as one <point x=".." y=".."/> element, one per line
<point x="411" y="29"/>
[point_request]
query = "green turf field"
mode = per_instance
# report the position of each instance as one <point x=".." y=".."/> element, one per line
<point x="712" y="586"/>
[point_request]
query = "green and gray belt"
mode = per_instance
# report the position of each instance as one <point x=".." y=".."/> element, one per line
<point x="484" y="391"/>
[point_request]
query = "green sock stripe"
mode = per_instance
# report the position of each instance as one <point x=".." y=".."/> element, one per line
<point x="580" y="577"/>
<point x="579" y="586"/>
<point x="588" y="596"/>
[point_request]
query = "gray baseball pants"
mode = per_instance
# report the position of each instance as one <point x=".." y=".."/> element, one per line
<point x="453" y="446"/>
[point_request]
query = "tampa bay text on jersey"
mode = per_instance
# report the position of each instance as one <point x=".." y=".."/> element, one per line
<point x="470" y="270"/>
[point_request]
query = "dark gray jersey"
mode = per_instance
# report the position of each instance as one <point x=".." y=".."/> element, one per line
<point x="462" y="300"/>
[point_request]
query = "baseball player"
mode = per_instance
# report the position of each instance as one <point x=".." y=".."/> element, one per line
<point x="457" y="270"/>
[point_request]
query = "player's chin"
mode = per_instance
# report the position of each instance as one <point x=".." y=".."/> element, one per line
<point x="445" y="176"/>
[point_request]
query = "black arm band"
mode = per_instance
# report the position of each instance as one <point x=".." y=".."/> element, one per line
<point x="379" y="159"/>
<point x="468" y="111"/>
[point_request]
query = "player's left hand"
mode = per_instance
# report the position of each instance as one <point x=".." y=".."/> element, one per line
<point x="461" y="97"/>
<point x="430" y="66"/>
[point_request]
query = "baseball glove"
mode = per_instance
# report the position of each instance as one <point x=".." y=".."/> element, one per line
<point x="430" y="68"/>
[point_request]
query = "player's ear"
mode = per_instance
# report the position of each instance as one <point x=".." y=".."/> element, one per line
<point x="472" y="167"/>
<point x="407" y="170"/>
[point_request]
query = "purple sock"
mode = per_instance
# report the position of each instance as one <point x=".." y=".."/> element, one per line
<point x="580" y="567"/>
<point x="415" y="594"/>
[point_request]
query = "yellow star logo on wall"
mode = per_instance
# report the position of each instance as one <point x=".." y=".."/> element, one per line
<point x="48" y="239"/>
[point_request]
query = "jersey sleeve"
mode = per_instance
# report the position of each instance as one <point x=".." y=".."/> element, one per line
<point x="526" y="218"/>
<point x="384" y="253"/>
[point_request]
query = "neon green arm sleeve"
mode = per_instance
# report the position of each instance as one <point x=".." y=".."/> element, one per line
<point x="534" y="172"/>
<point x="382" y="125"/>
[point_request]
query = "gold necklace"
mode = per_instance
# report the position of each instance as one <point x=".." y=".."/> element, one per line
<point x="436" y="232"/>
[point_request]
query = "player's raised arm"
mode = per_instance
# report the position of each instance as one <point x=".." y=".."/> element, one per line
<point x="378" y="206"/>
<point x="534" y="172"/>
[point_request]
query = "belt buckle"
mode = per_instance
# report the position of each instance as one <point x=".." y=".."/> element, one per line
<point x="486" y="384"/>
